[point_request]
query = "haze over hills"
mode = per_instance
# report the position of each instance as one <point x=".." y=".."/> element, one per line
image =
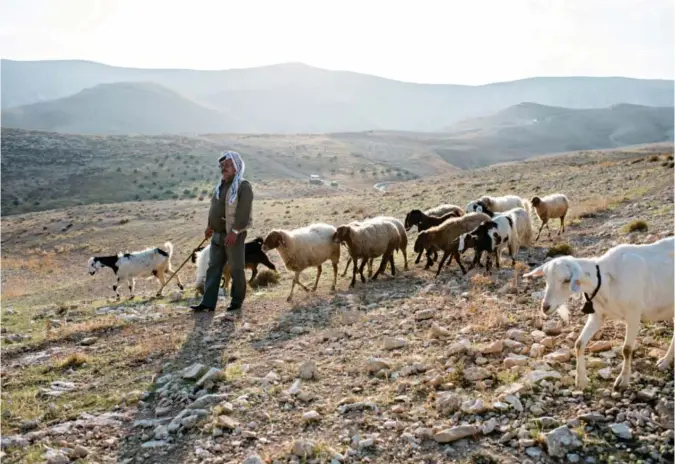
<point x="290" y="98"/>
<point x="43" y="170"/>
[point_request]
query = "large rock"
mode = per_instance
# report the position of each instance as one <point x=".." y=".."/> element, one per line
<point x="308" y="370"/>
<point x="194" y="371"/>
<point x="515" y="360"/>
<point x="474" y="374"/>
<point x="561" y="355"/>
<point x="622" y="431"/>
<point x="394" y="343"/>
<point x="560" y="441"/>
<point x="447" y="403"/>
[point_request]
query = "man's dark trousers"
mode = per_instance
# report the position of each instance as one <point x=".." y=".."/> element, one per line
<point x="220" y="255"/>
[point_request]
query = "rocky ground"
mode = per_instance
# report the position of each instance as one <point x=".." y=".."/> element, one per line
<point x="403" y="369"/>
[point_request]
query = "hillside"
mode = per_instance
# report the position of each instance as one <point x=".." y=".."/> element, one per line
<point x="410" y="368"/>
<point x="293" y="97"/>
<point x="121" y="108"/>
<point x="46" y="170"/>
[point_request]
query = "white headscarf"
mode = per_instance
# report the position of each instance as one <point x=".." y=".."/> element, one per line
<point x="239" y="166"/>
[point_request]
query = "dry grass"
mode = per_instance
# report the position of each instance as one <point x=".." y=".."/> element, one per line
<point x="265" y="278"/>
<point x="73" y="360"/>
<point x="590" y="208"/>
<point x="636" y="225"/>
<point x="559" y="249"/>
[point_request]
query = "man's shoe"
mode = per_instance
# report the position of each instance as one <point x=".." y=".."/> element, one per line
<point x="201" y="307"/>
<point x="234" y="307"/>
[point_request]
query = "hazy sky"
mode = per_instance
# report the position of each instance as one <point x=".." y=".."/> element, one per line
<point x="444" y="41"/>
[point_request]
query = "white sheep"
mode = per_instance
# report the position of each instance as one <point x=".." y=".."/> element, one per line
<point x="551" y="207"/>
<point x="492" y="237"/>
<point x="149" y="263"/>
<point x="370" y="239"/>
<point x="305" y="247"/>
<point x="496" y="204"/>
<point x="630" y="283"/>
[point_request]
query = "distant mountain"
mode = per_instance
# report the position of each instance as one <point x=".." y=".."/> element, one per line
<point x="296" y="98"/>
<point x="121" y="108"/>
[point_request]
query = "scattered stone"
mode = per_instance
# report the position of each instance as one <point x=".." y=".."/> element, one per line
<point x="194" y="372"/>
<point x="647" y="395"/>
<point x="461" y="346"/>
<point x="474" y="374"/>
<point x="605" y="373"/>
<point x="377" y="364"/>
<point x="515" y="360"/>
<point x="552" y="327"/>
<point x="439" y="332"/>
<point x="154" y="444"/>
<point x="518" y="335"/>
<point x="79" y="452"/>
<point x="392" y="343"/>
<point x="448" y="403"/>
<point x="455" y="433"/>
<point x="295" y="388"/>
<point x="308" y="370"/>
<point x="424" y="314"/>
<point x="253" y="459"/>
<point x="600" y="345"/>
<point x="622" y="431"/>
<point x="561" y="440"/>
<point x="538" y="335"/>
<point x="489" y="426"/>
<point x="562" y="355"/>
<point x="534" y="452"/>
<point x="303" y="448"/>
<point x="212" y="375"/>
<point x="208" y="400"/>
<point x="539" y="375"/>
<point x="537" y="350"/>
<point x="88" y="341"/>
<point x="495" y="347"/>
<point x="56" y="457"/>
<point x="473" y="406"/>
<point x="311" y="416"/>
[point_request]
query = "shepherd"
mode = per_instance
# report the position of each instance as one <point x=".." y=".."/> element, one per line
<point x="230" y="216"/>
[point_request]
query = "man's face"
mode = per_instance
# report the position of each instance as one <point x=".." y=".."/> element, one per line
<point x="227" y="169"/>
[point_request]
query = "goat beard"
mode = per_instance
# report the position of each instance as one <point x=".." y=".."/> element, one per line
<point x="564" y="313"/>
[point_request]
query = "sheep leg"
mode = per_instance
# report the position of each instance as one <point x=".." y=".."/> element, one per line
<point x="497" y="253"/>
<point x="512" y="252"/>
<point x="405" y="258"/>
<point x="290" y="295"/>
<point x="543" y="223"/>
<point x="476" y="259"/>
<point x="562" y="225"/>
<point x="440" y="265"/>
<point x="632" y="329"/>
<point x="419" y="257"/>
<point x="318" y="274"/>
<point x="383" y="264"/>
<point x="349" y="260"/>
<point x="370" y="267"/>
<point x="391" y="262"/>
<point x="593" y="324"/>
<point x="430" y="260"/>
<point x="116" y="287"/>
<point x="254" y="273"/>
<point x="455" y="254"/>
<point x="363" y="265"/>
<point x="132" y="285"/>
<point x="548" y="228"/>
<point x="663" y="363"/>
<point x="335" y="273"/>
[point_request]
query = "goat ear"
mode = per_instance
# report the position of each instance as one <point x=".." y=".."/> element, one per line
<point x="536" y="272"/>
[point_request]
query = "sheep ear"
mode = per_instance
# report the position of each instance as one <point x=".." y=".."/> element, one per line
<point x="536" y="272"/>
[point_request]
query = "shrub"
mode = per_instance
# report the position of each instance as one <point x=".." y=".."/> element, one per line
<point x="265" y="278"/>
<point x="559" y="249"/>
<point x="637" y="225"/>
<point x="653" y="158"/>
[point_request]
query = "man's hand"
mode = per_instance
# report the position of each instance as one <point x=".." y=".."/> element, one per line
<point x="208" y="233"/>
<point x="230" y="239"/>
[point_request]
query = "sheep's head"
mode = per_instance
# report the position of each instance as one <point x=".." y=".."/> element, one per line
<point x="258" y="240"/>
<point x="421" y="241"/>
<point x="412" y="218"/>
<point x="342" y="234"/>
<point x="466" y="241"/>
<point x="93" y="265"/>
<point x="535" y="201"/>
<point x="564" y="277"/>
<point x="273" y="240"/>
<point x="471" y="207"/>
<point x="486" y="200"/>
<point x="482" y="207"/>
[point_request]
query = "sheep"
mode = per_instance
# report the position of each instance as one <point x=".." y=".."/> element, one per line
<point x="253" y="256"/>
<point x="402" y="246"/>
<point x="491" y="236"/>
<point x="444" y="236"/>
<point x="551" y="207"/>
<point x="423" y="221"/>
<point x="305" y="247"/>
<point x="148" y="263"/>
<point x="630" y="283"/>
<point x="522" y="218"/>
<point x="417" y="218"/>
<point x="497" y="204"/>
<point x="369" y="239"/>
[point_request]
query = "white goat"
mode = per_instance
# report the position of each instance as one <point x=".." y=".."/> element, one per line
<point x="629" y="283"/>
<point x="151" y="262"/>
<point x="305" y="247"/>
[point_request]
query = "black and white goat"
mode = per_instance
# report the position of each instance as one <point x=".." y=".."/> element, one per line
<point x="152" y="262"/>
<point x="491" y="236"/>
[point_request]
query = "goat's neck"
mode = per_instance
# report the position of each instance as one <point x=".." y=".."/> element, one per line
<point x="588" y="267"/>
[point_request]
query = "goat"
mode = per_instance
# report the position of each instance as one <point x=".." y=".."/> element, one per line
<point x="151" y="262"/>
<point x="629" y="283"/>
<point x="491" y="236"/>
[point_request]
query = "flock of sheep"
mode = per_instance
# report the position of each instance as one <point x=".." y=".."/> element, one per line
<point x="630" y="283"/>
